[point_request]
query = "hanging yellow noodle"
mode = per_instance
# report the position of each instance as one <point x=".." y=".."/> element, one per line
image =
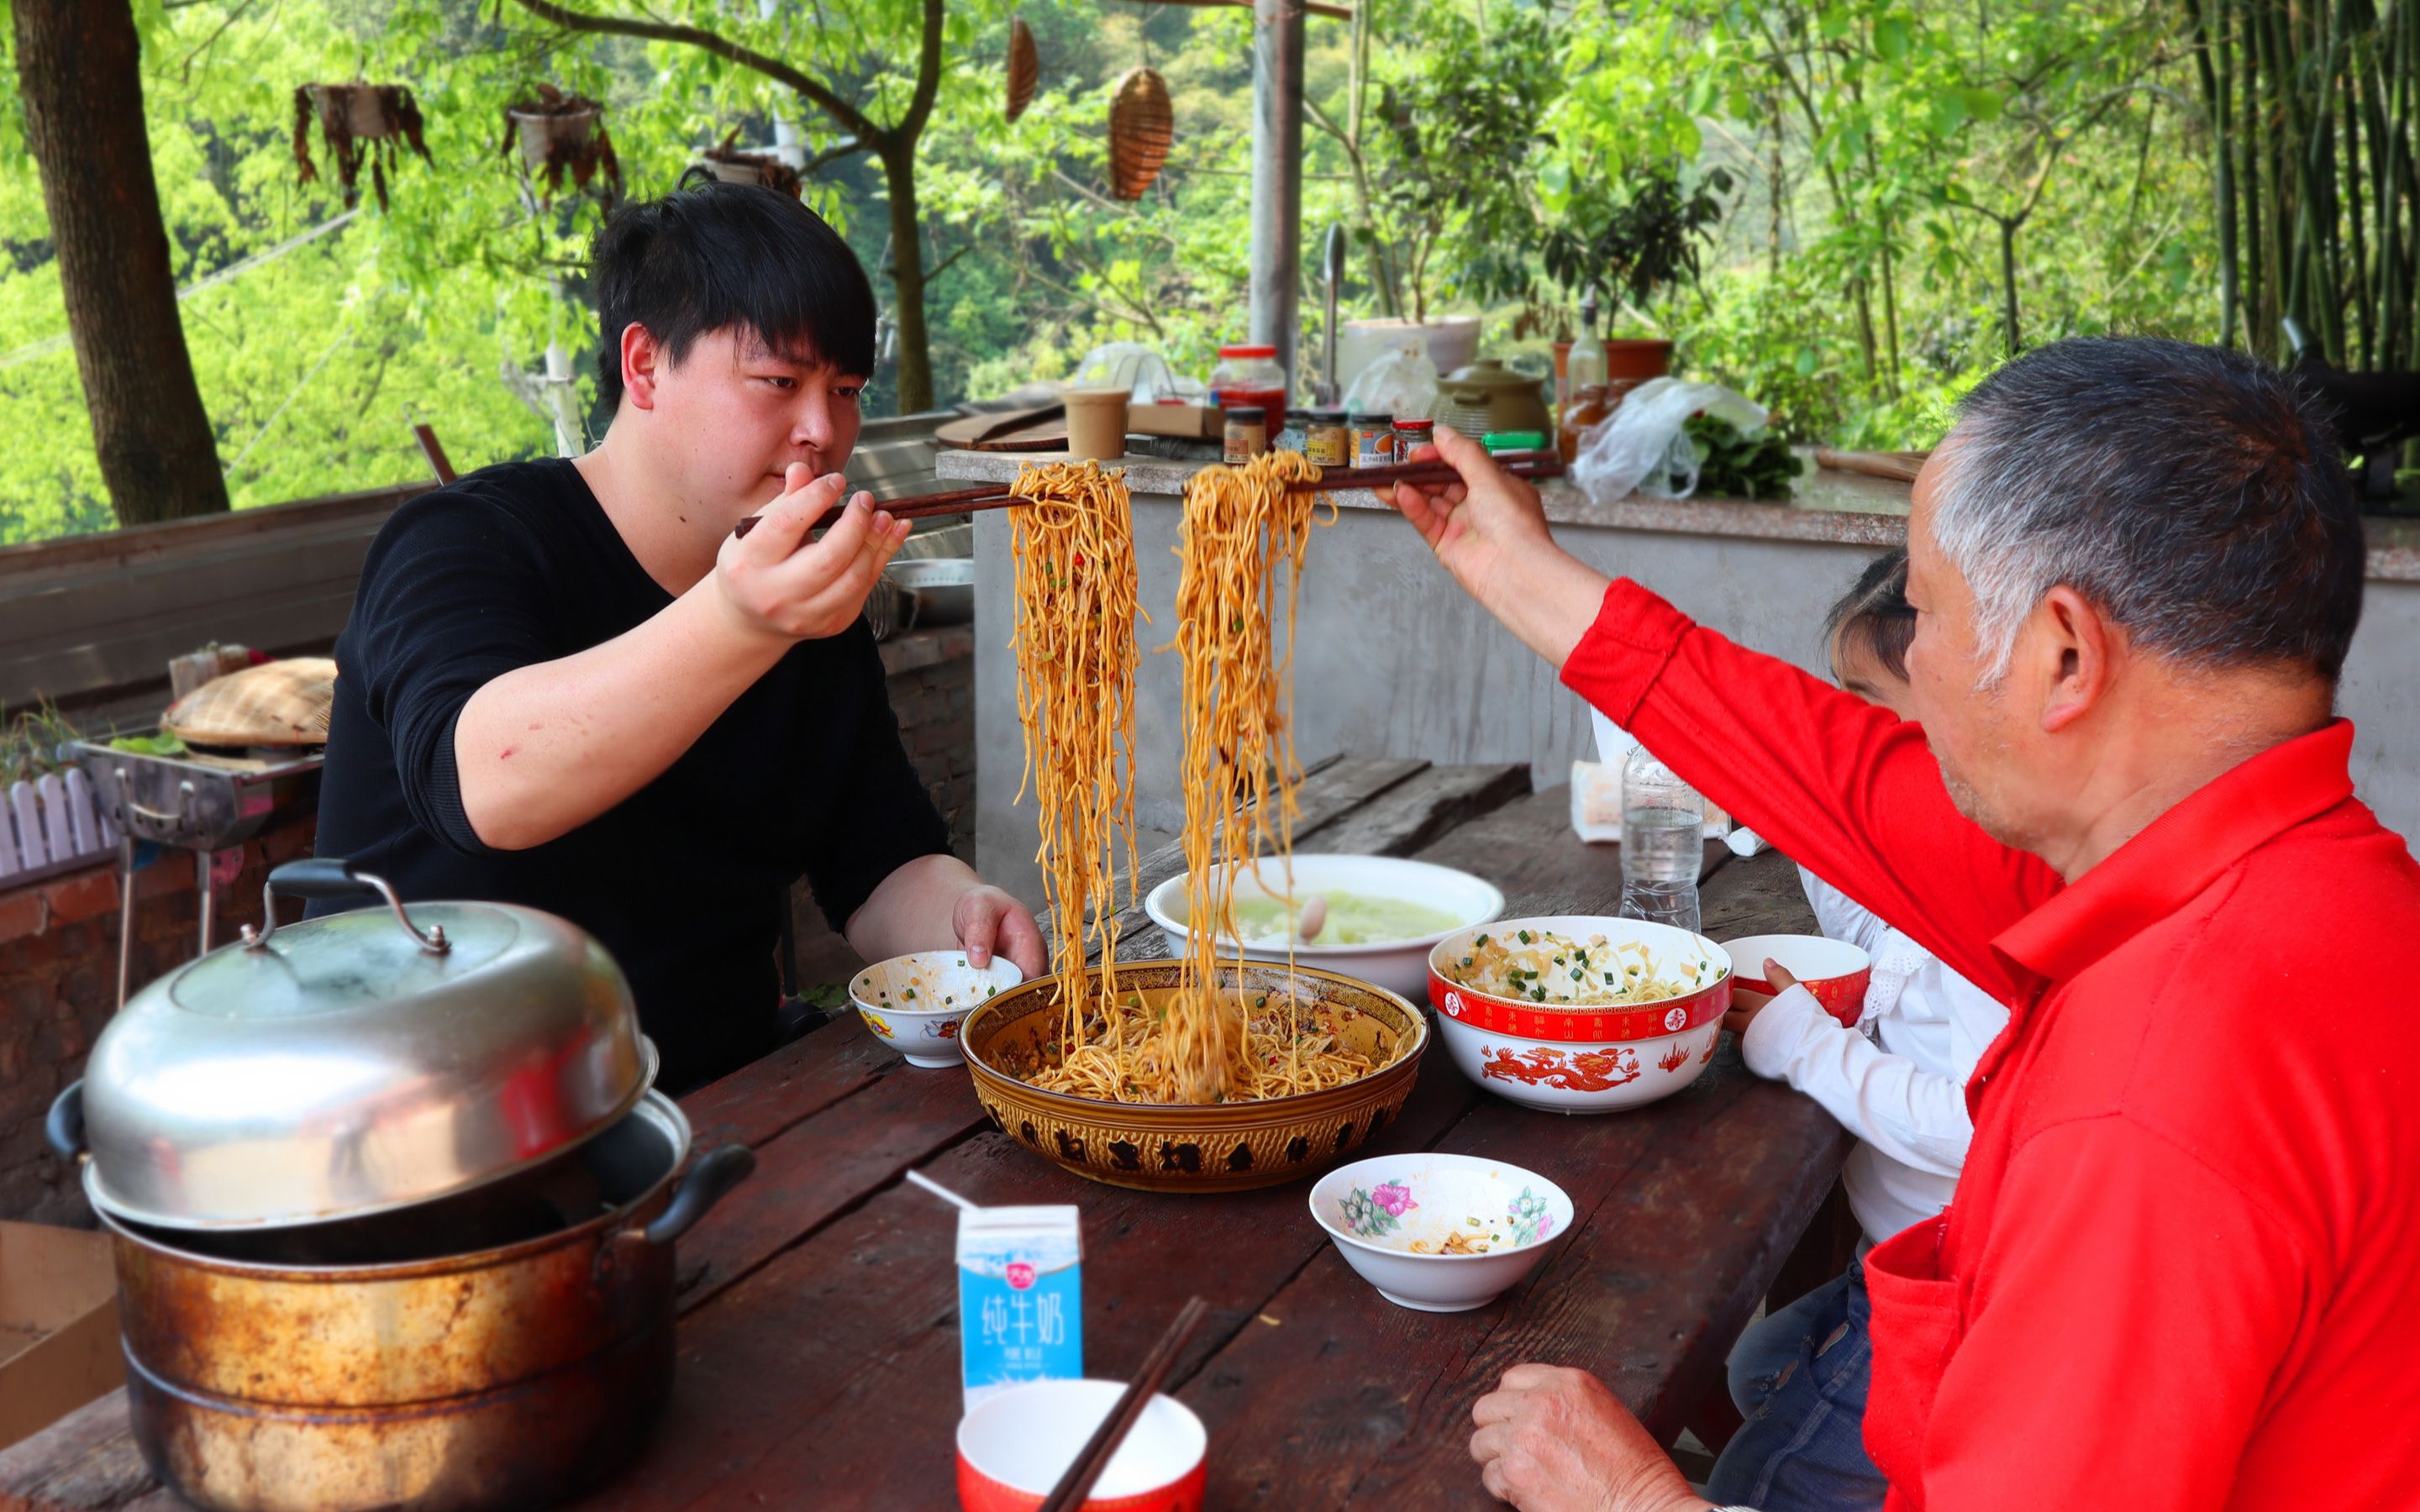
<point x="1076" y="660"/>
<point x="1200" y="1044"/>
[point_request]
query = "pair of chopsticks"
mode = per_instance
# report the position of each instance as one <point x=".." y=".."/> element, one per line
<point x="1102" y="1446"/>
<point x="919" y="506"/>
<point x="1539" y="463"/>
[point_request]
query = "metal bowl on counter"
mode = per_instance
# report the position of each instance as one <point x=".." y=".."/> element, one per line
<point x="393" y="1206"/>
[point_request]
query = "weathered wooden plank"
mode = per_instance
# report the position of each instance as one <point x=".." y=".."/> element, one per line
<point x="823" y="1166"/>
<point x="758" y="1101"/>
<point x="84" y="1462"/>
<point x="1422" y="808"/>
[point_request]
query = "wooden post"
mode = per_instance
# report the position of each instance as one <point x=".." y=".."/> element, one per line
<point x="1277" y="177"/>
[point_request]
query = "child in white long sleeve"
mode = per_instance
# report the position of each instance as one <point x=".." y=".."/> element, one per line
<point x="1897" y="1081"/>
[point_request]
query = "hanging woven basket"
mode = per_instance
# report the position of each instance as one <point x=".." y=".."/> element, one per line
<point x="1024" y="67"/>
<point x="1141" y="125"/>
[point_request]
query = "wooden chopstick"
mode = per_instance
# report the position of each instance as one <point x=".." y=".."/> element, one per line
<point x="1538" y="464"/>
<point x="1102" y="1446"/>
<point x="1541" y="464"/>
<point x="920" y="507"/>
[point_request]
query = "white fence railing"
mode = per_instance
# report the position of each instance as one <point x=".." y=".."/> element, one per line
<point x="52" y="824"/>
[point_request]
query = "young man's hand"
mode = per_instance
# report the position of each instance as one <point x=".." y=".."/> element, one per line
<point x="1552" y="1440"/>
<point x="988" y="921"/>
<point x="774" y="582"/>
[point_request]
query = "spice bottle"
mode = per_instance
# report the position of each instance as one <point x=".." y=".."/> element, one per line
<point x="1373" y="440"/>
<point x="1248" y="433"/>
<point x="1327" y="440"/>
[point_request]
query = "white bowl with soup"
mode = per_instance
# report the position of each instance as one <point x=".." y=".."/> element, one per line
<point x="1376" y="916"/>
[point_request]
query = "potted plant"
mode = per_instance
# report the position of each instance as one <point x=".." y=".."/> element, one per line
<point x="559" y="133"/>
<point x="1635" y="247"/>
<point x="358" y="122"/>
<point x="730" y="166"/>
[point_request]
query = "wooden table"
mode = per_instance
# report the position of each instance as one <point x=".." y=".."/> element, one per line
<point x="819" y="1346"/>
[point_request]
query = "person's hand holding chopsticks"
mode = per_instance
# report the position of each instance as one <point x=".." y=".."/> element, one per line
<point x="774" y="582"/>
<point x="1490" y="532"/>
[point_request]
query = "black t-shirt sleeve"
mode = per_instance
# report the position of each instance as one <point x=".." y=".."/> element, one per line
<point x="881" y="818"/>
<point x="451" y="598"/>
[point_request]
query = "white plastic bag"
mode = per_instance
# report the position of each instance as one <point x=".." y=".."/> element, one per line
<point x="1402" y="384"/>
<point x="1135" y="367"/>
<point x="1642" y="446"/>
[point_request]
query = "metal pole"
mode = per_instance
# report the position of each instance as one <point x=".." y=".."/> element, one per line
<point x="1276" y="177"/>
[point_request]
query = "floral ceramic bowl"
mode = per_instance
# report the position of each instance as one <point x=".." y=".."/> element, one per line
<point x="1439" y="1233"/>
<point x="914" y="1003"/>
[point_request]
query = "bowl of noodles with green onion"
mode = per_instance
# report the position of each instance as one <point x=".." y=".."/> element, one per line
<point x="1579" y="1013"/>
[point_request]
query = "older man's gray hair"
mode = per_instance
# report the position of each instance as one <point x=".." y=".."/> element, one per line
<point x="2190" y="493"/>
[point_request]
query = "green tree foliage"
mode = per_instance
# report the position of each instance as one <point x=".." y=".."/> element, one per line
<point x="1905" y="192"/>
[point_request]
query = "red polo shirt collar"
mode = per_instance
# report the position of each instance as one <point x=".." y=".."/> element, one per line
<point x="2183" y="851"/>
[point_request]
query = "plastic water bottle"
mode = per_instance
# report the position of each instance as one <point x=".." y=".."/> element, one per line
<point x="1663" y="823"/>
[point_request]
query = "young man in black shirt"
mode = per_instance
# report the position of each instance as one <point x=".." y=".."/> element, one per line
<point x="565" y="683"/>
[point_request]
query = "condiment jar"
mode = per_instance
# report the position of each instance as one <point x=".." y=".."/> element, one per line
<point x="1248" y="433"/>
<point x="1251" y="376"/>
<point x="1589" y="406"/>
<point x="1412" y="434"/>
<point x="1327" y="440"/>
<point x="1373" y="440"/>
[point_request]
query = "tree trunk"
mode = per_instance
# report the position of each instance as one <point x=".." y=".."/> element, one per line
<point x="2008" y="284"/>
<point x="908" y="278"/>
<point x="79" y="70"/>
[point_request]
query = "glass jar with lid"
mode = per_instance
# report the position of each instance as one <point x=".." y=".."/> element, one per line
<point x="1249" y="375"/>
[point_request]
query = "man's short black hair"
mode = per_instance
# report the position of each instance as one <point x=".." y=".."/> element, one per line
<point x="719" y="257"/>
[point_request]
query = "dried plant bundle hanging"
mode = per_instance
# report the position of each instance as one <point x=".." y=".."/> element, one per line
<point x="558" y="133"/>
<point x="732" y="166"/>
<point x="1024" y="67"/>
<point x="358" y="122"/>
<point x="1142" y="127"/>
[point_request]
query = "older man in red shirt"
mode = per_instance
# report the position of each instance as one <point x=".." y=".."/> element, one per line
<point x="2182" y="1266"/>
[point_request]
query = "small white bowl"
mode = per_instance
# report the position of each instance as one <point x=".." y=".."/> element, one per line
<point x="1400" y="966"/>
<point x="914" y="1003"/>
<point x="1377" y="1210"/>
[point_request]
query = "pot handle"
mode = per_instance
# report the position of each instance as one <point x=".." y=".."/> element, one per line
<point x="322" y="878"/>
<point x="64" y="1128"/>
<point x="717" y="1172"/>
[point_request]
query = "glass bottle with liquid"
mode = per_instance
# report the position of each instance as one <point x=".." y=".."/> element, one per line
<point x="1586" y="366"/>
<point x="1663" y="846"/>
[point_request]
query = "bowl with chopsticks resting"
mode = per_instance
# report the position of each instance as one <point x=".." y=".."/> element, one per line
<point x="1371" y="917"/>
<point x="1440" y="1233"/>
<point x="1012" y="1448"/>
<point x="1217" y="1144"/>
<point x="1581" y="1013"/>
<point x="917" y="1004"/>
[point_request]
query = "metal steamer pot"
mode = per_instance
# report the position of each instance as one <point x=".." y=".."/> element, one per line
<point x="393" y="1206"/>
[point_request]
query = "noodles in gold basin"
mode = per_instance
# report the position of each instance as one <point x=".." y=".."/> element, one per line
<point x="1242" y="545"/>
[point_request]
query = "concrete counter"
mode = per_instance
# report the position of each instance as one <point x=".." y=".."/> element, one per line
<point x="1392" y="658"/>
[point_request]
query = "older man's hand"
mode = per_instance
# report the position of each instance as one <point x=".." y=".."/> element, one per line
<point x="1552" y="1440"/>
<point x="1490" y="532"/>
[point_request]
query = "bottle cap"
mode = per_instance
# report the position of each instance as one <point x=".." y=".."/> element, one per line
<point x="1250" y="414"/>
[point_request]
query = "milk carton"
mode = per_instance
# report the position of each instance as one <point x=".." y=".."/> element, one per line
<point x="1020" y="1297"/>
